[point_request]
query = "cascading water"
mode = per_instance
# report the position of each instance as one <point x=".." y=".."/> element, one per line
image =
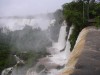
<point x="61" y="40"/>
<point x="12" y="70"/>
<point x="54" y="62"/>
<point x="67" y="49"/>
<point x="14" y="24"/>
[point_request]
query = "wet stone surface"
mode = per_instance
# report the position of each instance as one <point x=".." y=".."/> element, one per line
<point x="89" y="61"/>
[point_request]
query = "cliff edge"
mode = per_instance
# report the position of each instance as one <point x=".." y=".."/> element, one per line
<point x="85" y="57"/>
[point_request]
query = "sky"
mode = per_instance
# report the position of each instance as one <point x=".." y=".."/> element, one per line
<point x="29" y="7"/>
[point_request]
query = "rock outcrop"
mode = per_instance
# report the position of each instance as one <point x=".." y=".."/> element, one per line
<point x="85" y="57"/>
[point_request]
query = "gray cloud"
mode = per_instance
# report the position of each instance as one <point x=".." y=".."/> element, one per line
<point x="25" y="8"/>
<point x="29" y="7"/>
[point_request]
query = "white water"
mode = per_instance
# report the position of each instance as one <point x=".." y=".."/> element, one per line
<point x="13" y="70"/>
<point x="6" y="71"/>
<point x="57" y="57"/>
<point x="61" y="40"/>
<point x="67" y="49"/>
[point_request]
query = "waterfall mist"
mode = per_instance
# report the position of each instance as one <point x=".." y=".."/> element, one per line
<point x="36" y="47"/>
<point x="34" y="44"/>
<point x="29" y="37"/>
<point x="59" y="54"/>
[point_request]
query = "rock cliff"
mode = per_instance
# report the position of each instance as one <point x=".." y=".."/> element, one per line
<point x="85" y="57"/>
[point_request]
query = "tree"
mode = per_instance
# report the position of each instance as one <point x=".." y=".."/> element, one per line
<point x="4" y="50"/>
<point x="74" y="10"/>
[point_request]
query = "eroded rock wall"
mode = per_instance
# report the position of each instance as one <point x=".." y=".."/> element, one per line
<point x="85" y="57"/>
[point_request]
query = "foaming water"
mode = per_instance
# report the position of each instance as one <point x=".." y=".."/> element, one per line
<point x="67" y="49"/>
<point x="61" y="40"/>
<point x="56" y="61"/>
<point x="14" y="70"/>
<point x="59" y="53"/>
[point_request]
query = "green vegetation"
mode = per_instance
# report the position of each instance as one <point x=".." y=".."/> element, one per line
<point x="31" y="57"/>
<point x="78" y="13"/>
<point x="54" y="29"/>
<point x="28" y="44"/>
<point x="29" y="39"/>
<point x="97" y="19"/>
<point x="4" y="50"/>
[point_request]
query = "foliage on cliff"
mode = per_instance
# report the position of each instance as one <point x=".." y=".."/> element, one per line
<point x="4" y="50"/>
<point x="29" y="39"/>
<point x="55" y="28"/>
<point x="78" y="13"/>
<point x="97" y="21"/>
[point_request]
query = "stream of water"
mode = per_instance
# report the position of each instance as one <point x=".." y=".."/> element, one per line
<point x="53" y="63"/>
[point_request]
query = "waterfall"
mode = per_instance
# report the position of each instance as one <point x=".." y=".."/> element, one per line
<point x="67" y="49"/>
<point x="54" y="62"/>
<point x="61" y="40"/>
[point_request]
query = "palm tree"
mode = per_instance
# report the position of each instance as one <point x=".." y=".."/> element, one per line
<point x="88" y="5"/>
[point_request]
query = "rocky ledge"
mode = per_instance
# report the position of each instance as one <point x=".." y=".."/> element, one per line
<point x="85" y="57"/>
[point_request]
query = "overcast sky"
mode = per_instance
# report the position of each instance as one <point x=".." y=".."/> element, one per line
<point x="29" y="7"/>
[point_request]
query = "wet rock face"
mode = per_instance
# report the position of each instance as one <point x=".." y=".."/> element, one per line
<point x="89" y="61"/>
<point x="85" y="57"/>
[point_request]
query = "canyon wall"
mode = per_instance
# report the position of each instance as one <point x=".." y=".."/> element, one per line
<point x="85" y="57"/>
